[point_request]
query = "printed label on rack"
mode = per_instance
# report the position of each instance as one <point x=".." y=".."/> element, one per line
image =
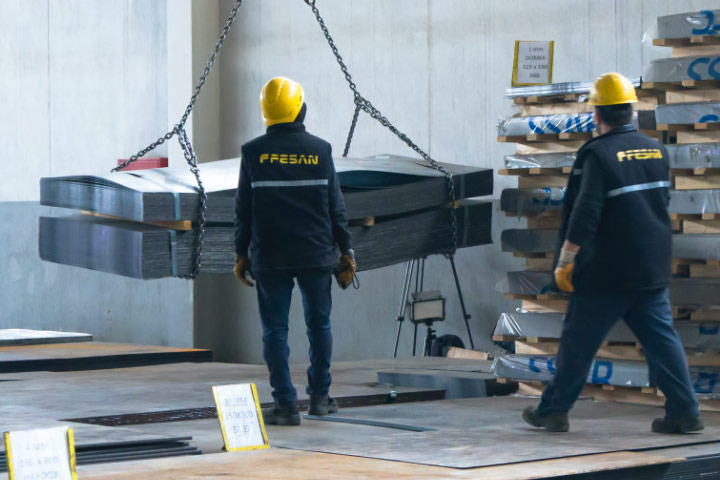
<point x="240" y="417"/>
<point x="533" y="63"/>
<point x="47" y="454"/>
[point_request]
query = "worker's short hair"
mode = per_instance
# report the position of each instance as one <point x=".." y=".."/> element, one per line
<point x="616" y="115"/>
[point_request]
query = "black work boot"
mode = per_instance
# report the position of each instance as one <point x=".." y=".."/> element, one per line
<point x="674" y="425"/>
<point x="322" y="405"/>
<point x="281" y="415"/>
<point x="553" y="422"/>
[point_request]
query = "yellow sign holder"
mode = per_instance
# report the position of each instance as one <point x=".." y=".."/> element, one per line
<point x="261" y="421"/>
<point x="71" y="452"/>
<point x="516" y="61"/>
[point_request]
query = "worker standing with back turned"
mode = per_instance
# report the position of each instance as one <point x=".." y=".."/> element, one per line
<point x="615" y="257"/>
<point x="291" y="225"/>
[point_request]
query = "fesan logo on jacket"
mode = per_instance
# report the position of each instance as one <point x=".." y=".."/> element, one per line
<point x="641" y="154"/>
<point x="289" y="159"/>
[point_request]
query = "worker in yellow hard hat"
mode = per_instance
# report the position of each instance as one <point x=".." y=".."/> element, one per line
<point x="291" y="226"/>
<point x="615" y="258"/>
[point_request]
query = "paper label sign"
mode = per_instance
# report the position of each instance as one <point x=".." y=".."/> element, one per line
<point x="240" y="417"/>
<point x="533" y="63"/>
<point x="47" y="454"/>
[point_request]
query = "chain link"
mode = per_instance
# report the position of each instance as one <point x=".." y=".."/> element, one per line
<point x="187" y="148"/>
<point x="361" y="103"/>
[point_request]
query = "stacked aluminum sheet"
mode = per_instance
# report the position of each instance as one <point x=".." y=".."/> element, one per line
<point x="524" y="201"/>
<point x="624" y="373"/>
<point x="554" y="89"/>
<point x="677" y="69"/>
<point x="145" y="251"/>
<point x="695" y="201"/>
<point x="563" y="123"/>
<point x="540" y="160"/>
<point x="685" y="292"/>
<point x="374" y="186"/>
<point x="694" y="336"/>
<point x="685" y="25"/>
<point x="688" y="113"/>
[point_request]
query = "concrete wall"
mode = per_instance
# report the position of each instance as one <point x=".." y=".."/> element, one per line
<point x="438" y="69"/>
<point x="83" y="82"/>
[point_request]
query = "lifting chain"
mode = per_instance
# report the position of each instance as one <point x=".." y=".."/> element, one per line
<point x="361" y="103"/>
<point x="187" y="148"/>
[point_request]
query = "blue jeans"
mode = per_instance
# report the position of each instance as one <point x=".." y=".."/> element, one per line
<point x="589" y="319"/>
<point x="274" y="289"/>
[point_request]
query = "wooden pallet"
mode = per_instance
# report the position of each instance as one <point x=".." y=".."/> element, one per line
<point x="521" y="172"/>
<point x="696" y="179"/>
<point x="550" y="99"/>
<point x="633" y="395"/>
<point x="548" y="147"/>
<point x="545" y="137"/>
<point x="549" y="340"/>
<point x="614" y="352"/>
<point x="670" y="86"/>
<point x="682" y="127"/>
<point x="687" y="41"/>
<point x="692" y="96"/>
<point x="692" y="224"/>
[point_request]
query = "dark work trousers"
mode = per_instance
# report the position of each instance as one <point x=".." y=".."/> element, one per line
<point x="274" y="291"/>
<point x="590" y="317"/>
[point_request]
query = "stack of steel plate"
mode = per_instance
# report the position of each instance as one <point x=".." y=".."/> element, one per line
<point x="372" y="187"/>
<point x="407" y="200"/>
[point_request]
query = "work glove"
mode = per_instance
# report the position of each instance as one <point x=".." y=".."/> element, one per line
<point x="345" y="270"/>
<point x="242" y="269"/>
<point x="564" y="270"/>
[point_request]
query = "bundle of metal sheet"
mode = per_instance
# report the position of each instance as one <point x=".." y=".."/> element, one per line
<point x="677" y="69"/>
<point x="554" y="89"/>
<point x="686" y="292"/>
<point x="697" y="247"/>
<point x="694" y="155"/>
<point x="145" y="251"/>
<point x="540" y="160"/>
<point x="694" y="336"/>
<point x="374" y="186"/>
<point x="525" y="201"/>
<point x="688" y="113"/>
<point x="695" y="201"/>
<point x="534" y="240"/>
<point x="21" y="336"/>
<point x="563" y="123"/>
<point x="624" y="373"/>
<point x="685" y="25"/>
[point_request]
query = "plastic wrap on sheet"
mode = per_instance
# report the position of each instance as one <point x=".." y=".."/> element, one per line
<point x="563" y="123"/>
<point x="529" y="240"/>
<point x="540" y="160"/>
<point x="699" y="337"/>
<point x="688" y="113"/>
<point x="694" y="155"/>
<point x="540" y="368"/>
<point x="525" y="282"/>
<point x="685" y="25"/>
<point x="695" y="201"/>
<point x="697" y="247"/>
<point x="546" y="124"/>
<point x="555" y="89"/>
<point x="677" y="69"/>
<point x="621" y="373"/>
<point x="548" y="325"/>
<point x="522" y="201"/>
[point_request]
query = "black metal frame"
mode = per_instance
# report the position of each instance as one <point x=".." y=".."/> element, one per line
<point x="418" y="266"/>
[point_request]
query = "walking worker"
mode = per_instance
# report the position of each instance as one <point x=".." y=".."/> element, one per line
<point x="615" y="257"/>
<point x="291" y="225"/>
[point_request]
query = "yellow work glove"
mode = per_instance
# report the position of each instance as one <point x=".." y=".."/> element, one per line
<point x="242" y="269"/>
<point x="564" y="270"/>
<point x="345" y="270"/>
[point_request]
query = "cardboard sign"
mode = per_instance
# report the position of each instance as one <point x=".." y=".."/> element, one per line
<point x="47" y="454"/>
<point x="240" y="417"/>
<point x="533" y="63"/>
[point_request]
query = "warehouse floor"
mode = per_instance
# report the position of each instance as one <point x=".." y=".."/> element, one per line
<point x="421" y="435"/>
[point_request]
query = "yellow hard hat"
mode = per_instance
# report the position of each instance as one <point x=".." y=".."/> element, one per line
<point x="612" y="89"/>
<point x="281" y="100"/>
